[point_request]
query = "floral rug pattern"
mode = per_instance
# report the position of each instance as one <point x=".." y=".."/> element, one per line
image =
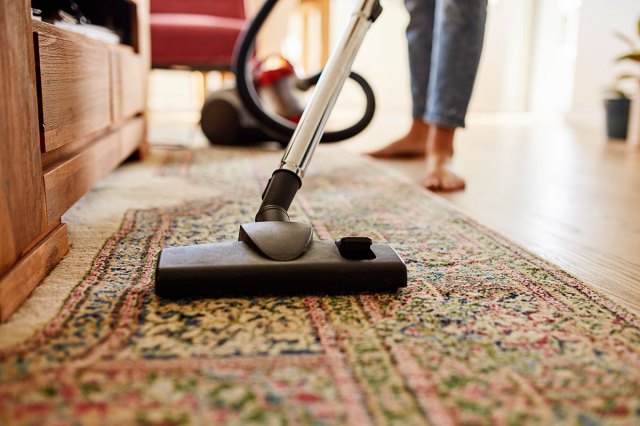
<point x="485" y="333"/>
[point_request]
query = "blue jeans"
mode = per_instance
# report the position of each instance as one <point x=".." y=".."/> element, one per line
<point x="445" y="41"/>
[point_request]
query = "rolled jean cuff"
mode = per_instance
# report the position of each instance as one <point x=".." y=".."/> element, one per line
<point x="443" y="120"/>
<point x="419" y="114"/>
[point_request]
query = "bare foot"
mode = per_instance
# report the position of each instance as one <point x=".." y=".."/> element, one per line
<point x="439" y="176"/>
<point x="413" y="144"/>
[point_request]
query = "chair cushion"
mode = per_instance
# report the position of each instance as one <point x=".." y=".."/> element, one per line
<point x="190" y="40"/>
<point x="224" y="8"/>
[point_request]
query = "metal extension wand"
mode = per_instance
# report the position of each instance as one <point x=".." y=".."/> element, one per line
<point x="286" y="180"/>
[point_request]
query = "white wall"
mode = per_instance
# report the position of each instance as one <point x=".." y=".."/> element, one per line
<point x="504" y="73"/>
<point x="553" y="55"/>
<point x="596" y="49"/>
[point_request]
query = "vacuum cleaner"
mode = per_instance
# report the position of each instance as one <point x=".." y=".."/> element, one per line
<point x="236" y="115"/>
<point x="274" y="255"/>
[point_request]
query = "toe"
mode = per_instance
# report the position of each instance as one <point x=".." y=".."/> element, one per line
<point x="443" y="180"/>
<point x="452" y="183"/>
<point x="449" y="183"/>
<point x="433" y="183"/>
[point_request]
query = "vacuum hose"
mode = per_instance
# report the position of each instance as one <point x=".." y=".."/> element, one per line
<point x="277" y="127"/>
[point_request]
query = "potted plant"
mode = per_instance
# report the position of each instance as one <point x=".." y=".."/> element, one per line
<point x="633" y="55"/>
<point x="617" y="105"/>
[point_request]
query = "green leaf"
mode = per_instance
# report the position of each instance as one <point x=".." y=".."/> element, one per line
<point x="634" y="56"/>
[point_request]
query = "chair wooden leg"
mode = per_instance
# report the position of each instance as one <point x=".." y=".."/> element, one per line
<point x="204" y="85"/>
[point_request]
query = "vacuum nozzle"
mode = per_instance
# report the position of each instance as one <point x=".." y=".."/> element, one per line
<point x="236" y="269"/>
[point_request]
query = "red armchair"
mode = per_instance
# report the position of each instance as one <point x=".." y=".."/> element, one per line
<point x="195" y="34"/>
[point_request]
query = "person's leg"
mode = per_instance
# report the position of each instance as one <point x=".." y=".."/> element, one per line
<point x="457" y="44"/>
<point x="419" y="39"/>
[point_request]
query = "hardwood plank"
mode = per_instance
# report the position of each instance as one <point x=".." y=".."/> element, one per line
<point x="22" y="203"/>
<point x="75" y="85"/>
<point x="25" y="275"/>
<point x="66" y="182"/>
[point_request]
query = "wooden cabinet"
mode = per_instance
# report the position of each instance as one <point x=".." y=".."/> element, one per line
<point x="73" y="109"/>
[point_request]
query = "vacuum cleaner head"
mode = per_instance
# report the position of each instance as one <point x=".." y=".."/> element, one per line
<point x="243" y="268"/>
<point x="235" y="269"/>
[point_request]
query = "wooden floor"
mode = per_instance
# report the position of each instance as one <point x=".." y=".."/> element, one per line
<point x="564" y="193"/>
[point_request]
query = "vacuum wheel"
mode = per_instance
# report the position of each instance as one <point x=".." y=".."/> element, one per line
<point x="220" y="122"/>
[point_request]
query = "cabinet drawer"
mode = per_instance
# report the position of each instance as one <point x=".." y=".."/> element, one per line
<point x="75" y="85"/>
<point x="129" y="83"/>
<point x="65" y="183"/>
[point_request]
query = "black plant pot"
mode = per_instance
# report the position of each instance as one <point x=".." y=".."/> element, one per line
<point x="617" y="117"/>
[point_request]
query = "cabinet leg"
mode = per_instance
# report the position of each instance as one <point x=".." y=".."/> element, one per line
<point x="141" y="152"/>
<point x="18" y="283"/>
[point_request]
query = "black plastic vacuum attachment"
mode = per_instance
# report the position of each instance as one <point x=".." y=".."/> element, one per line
<point x="239" y="268"/>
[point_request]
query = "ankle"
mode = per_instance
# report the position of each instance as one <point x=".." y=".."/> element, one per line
<point x="419" y="129"/>
<point x="440" y="142"/>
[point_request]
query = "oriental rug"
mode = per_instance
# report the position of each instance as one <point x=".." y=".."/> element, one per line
<point x="485" y="332"/>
